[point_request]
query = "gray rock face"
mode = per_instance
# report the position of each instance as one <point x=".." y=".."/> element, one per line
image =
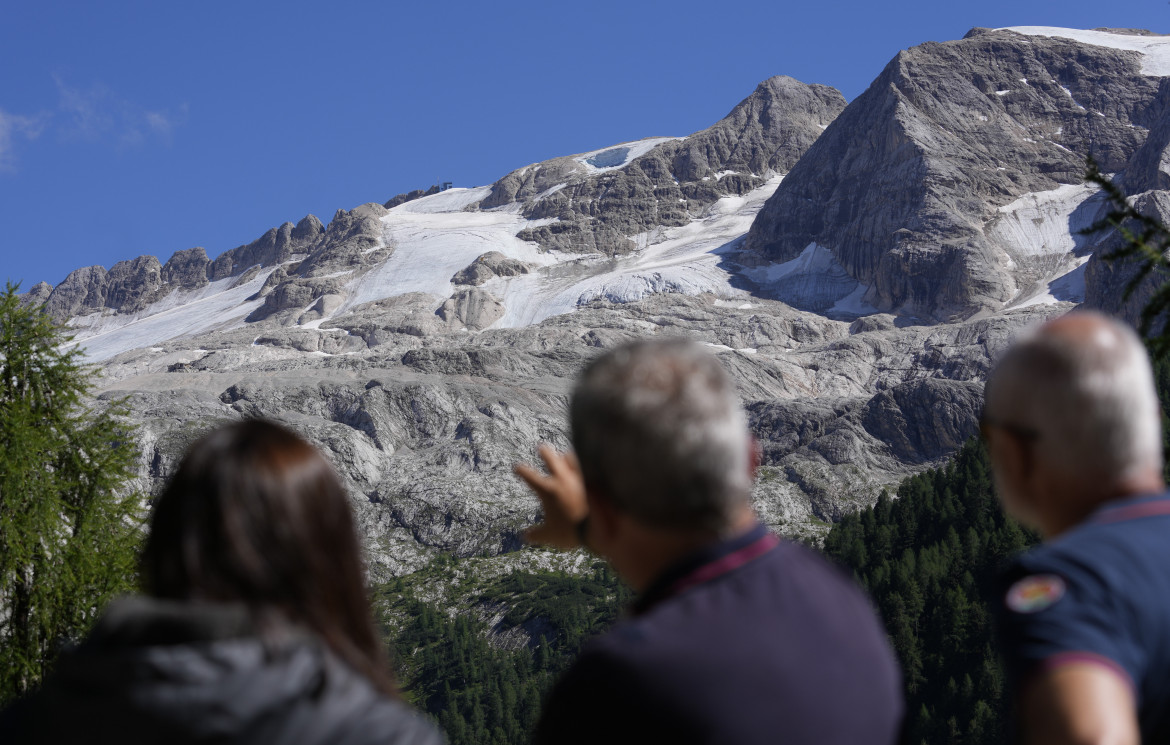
<point x="133" y="285"/>
<point x="347" y="243"/>
<point x="308" y="230"/>
<point x="1149" y="168"/>
<point x="424" y="427"/>
<point x="472" y="308"/>
<point x="903" y="185"/>
<point x="292" y="294"/>
<point x="276" y="246"/>
<point x="488" y="265"/>
<point x="186" y="270"/>
<point x="1106" y="282"/>
<point x="597" y="212"/>
<point x="83" y="291"/>
<point x="924" y="420"/>
<point x="410" y="196"/>
<point x="1147" y="178"/>
<point x="128" y="287"/>
<point x="37" y="295"/>
<point x="404" y="320"/>
<point x="352" y="242"/>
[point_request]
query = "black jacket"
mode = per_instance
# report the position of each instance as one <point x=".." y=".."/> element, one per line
<point x="162" y="672"/>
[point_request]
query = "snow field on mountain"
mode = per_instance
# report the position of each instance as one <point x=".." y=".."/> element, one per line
<point x="451" y="200"/>
<point x="814" y="280"/>
<point x="434" y="239"/>
<point x="217" y="306"/>
<point x="1045" y="225"/>
<point x="682" y="259"/>
<point x="1155" y="50"/>
<point x="1042" y="223"/>
<point x="633" y="150"/>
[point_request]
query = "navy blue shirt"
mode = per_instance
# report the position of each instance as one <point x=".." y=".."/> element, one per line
<point x="1099" y="593"/>
<point x="755" y="640"/>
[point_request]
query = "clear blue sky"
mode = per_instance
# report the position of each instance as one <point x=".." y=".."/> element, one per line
<point x="131" y="128"/>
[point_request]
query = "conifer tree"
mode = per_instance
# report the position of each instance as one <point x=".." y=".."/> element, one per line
<point x="69" y="527"/>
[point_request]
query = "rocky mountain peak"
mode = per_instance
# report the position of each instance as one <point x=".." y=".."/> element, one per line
<point x="37" y="295"/>
<point x="84" y="290"/>
<point x="350" y="243"/>
<point x="908" y="187"/>
<point x="186" y="269"/>
<point x="133" y="285"/>
<point x="308" y="230"/>
<point x="276" y="246"/>
<point x="598" y="200"/>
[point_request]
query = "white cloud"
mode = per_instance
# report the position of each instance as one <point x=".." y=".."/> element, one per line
<point x="84" y="114"/>
<point x="97" y="113"/>
<point x="163" y="123"/>
<point x="12" y="128"/>
<point x="93" y="114"/>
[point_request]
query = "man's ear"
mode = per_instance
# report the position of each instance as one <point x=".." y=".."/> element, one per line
<point x="1023" y="455"/>
<point x="1014" y="460"/>
<point x="1012" y="455"/>
<point x="604" y="520"/>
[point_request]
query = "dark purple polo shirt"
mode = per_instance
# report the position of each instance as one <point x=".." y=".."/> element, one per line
<point x="1098" y="594"/>
<point x="755" y="640"/>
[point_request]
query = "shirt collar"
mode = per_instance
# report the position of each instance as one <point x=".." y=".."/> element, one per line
<point x="706" y="564"/>
<point x="1131" y="508"/>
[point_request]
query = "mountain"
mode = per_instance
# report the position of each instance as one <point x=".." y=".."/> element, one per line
<point x="953" y="184"/>
<point x="856" y="268"/>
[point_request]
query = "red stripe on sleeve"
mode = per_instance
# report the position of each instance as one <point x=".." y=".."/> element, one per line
<point x="1064" y="659"/>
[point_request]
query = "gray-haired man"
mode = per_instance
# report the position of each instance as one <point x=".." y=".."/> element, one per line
<point x="737" y="637"/>
<point x="1074" y="430"/>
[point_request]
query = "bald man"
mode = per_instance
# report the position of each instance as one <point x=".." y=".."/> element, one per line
<point x="1073" y="425"/>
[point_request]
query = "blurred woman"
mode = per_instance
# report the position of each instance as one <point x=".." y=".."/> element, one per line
<point x="256" y="626"/>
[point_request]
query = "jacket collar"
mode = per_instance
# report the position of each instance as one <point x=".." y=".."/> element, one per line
<point x="1131" y="508"/>
<point x="138" y="620"/>
<point x="706" y="564"/>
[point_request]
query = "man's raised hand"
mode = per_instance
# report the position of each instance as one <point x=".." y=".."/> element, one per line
<point x="561" y="494"/>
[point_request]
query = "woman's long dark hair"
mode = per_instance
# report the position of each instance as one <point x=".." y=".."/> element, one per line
<point x="256" y="515"/>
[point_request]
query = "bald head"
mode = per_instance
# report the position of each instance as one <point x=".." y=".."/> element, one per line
<point x="1081" y="390"/>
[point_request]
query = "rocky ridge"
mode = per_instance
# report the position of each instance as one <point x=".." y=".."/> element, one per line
<point x="132" y="286"/>
<point x="598" y="206"/>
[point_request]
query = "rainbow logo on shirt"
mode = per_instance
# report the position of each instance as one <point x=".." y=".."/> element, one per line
<point x="1034" y="594"/>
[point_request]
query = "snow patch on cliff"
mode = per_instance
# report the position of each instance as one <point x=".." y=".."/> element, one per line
<point x="1042" y="223"/>
<point x="1155" y="50"/>
<point x="619" y="156"/>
